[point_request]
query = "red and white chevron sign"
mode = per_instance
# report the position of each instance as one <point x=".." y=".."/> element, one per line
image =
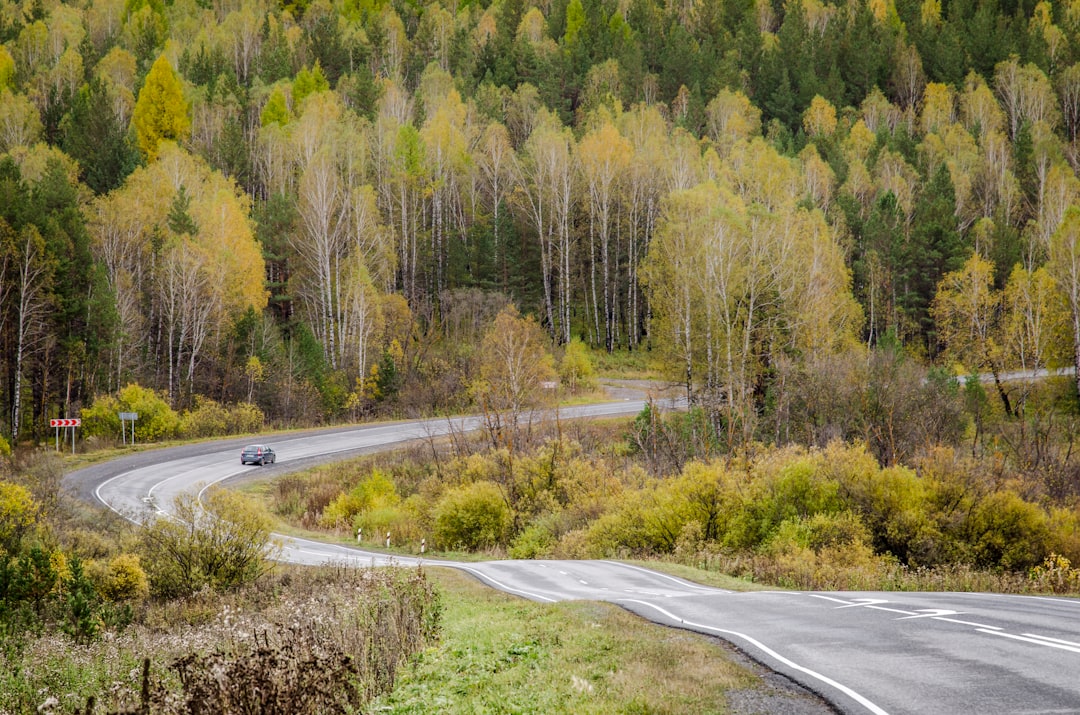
<point x="65" y="423"/>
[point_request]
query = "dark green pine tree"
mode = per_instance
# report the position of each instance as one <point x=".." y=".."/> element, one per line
<point x="935" y="247"/>
<point x="780" y="102"/>
<point x="275" y="221"/>
<point x="91" y="135"/>
<point x="878" y="248"/>
<point x="80" y="318"/>
<point x="81" y="605"/>
<point x="179" y="220"/>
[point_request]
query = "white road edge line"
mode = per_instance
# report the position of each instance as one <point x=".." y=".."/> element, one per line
<point x="865" y="702"/>
<point x="1035" y="640"/>
<point x="503" y="586"/>
<point x="681" y="582"/>
<point x="1052" y="640"/>
<point x="965" y="623"/>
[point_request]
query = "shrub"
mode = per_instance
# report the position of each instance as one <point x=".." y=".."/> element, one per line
<point x="156" y="419"/>
<point x="222" y="543"/>
<point x="471" y="517"/>
<point x="398" y="521"/>
<point x="576" y="368"/>
<point x="212" y="419"/>
<point x="246" y="418"/>
<point x="18" y="515"/>
<point x="1007" y="532"/>
<point x="376" y="492"/>
<point x="101" y="418"/>
<point x="1056" y="574"/>
<point x="535" y="542"/>
<point x="208" y="419"/>
<point x="125" y="579"/>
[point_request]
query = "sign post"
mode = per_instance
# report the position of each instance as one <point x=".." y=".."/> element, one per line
<point x="126" y="417"/>
<point x="66" y="423"/>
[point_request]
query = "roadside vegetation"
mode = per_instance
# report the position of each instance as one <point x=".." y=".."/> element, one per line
<point x="499" y="653"/>
<point x="186" y="614"/>
<point x="663" y="487"/>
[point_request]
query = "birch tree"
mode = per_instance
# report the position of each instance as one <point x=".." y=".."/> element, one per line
<point x="603" y="155"/>
<point x="32" y="272"/>
<point x="1064" y="265"/>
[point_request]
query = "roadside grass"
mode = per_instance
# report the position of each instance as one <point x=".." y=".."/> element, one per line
<point x="501" y="654"/>
<point x="625" y="364"/>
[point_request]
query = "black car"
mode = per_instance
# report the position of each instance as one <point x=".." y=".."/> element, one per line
<point x="257" y="454"/>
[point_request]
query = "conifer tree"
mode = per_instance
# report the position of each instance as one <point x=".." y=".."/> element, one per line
<point x="161" y="111"/>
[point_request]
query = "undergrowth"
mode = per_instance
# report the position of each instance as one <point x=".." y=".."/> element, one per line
<point x="300" y="641"/>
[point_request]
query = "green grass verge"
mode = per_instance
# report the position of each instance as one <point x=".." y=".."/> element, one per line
<point x="501" y="654"/>
<point x="625" y="364"/>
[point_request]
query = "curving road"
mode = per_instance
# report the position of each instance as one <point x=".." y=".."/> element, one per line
<point x="863" y="652"/>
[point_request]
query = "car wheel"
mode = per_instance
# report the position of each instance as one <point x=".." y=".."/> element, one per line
<point x="261" y="461"/>
<point x="242" y="462"/>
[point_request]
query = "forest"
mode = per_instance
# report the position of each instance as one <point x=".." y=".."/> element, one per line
<point x="315" y="211"/>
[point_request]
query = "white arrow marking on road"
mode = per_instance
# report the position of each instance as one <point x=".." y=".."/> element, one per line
<point x="864" y="602"/>
<point x="931" y="613"/>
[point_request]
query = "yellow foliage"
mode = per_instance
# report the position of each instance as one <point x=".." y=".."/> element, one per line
<point x="931" y="12"/>
<point x="819" y="120"/>
<point x="18" y="515"/>
<point x="161" y="112"/>
<point x="125" y="579"/>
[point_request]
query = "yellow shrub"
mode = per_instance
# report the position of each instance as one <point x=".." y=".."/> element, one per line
<point x="125" y="579"/>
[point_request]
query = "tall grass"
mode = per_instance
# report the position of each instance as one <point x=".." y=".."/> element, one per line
<point x="832" y="572"/>
<point x="301" y="641"/>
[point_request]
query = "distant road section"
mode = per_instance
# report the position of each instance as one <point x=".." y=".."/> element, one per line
<point x="864" y="652"/>
<point x="1018" y="375"/>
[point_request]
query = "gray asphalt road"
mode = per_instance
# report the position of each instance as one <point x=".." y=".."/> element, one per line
<point x="863" y="652"/>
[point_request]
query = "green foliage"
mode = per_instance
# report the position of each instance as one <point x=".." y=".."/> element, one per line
<point x="207" y="419"/>
<point x="1007" y="532"/>
<point x="7" y="68"/>
<point x="93" y="137"/>
<point x="246" y="418"/>
<point x="156" y="419"/>
<point x="81" y="620"/>
<point x="222" y="544"/>
<point x="576" y="368"/>
<point x="276" y="111"/>
<point x="375" y="493"/>
<point x="308" y="82"/>
<point x="472" y="517"/>
<point x="534" y="542"/>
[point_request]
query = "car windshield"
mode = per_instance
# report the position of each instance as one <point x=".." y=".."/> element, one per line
<point x="252" y="448"/>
